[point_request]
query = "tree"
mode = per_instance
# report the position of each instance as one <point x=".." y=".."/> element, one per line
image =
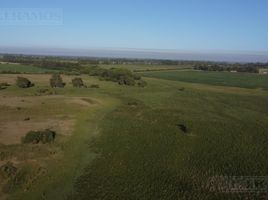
<point x="78" y="82"/>
<point x="23" y="82"/>
<point x="56" y="81"/>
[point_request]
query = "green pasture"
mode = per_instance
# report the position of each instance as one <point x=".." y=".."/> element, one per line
<point x="243" y="80"/>
<point x="131" y="145"/>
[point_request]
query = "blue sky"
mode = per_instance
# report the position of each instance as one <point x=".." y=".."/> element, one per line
<point x="185" y="25"/>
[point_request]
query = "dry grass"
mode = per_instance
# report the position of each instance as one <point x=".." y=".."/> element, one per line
<point x="13" y="101"/>
<point x="22" y="114"/>
<point x="40" y="78"/>
<point x="81" y="101"/>
<point x="11" y="132"/>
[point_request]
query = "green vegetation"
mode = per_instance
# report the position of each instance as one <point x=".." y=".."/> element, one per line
<point x="243" y="80"/>
<point x="21" y="69"/>
<point x="56" y="81"/>
<point x="165" y="144"/>
<point x="23" y="82"/>
<point x="35" y="137"/>
<point x="164" y="141"/>
<point x="8" y="170"/>
<point x="4" y="86"/>
<point x="142" y="83"/>
<point x="78" y="82"/>
<point x="45" y="92"/>
<point x="119" y="75"/>
<point x="94" y="86"/>
<point x="15" y="182"/>
<point x="249" y="67"/>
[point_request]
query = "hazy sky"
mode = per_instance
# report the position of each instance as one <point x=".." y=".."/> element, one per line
<point x="190" y="25"/>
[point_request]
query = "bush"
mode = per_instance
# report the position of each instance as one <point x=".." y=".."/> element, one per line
<point x="8" y="170"/>
<point x="56" y="81"/>
<point x="137" y="77"/>
<point x="15" y="182"/>
<point x="142" y="83"/>
<point x="2" y="87"/>
<point x="35" y="137"/>
<point x="23" y="82"/>
<point x="94" y="86"/>
<point x="183" y="128"/>
<point x="4" y="84"/>
<point x="119" y="75"/>
<point x="126" y="80"/>
<point x="45" y="91"/>
<point x="78" y="82"/>
<point x="133" y="103"/>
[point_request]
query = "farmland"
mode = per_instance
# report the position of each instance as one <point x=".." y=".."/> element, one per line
<point x="244" y="80"/>
<point x="163" y="141"/>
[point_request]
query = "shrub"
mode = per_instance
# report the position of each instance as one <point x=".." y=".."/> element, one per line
<point x="95" y="86"/>
<point x="78" y="82"/>
<point x="56" y="81"/>
<point x="4" y="84"/>
<point x="44" y="91"/>
<point x="137" y="77"/>
<point x="15" y="181"/>
<point x="126" y="80"/>
<point x="35" y="137"/>
<point x="23" y="82"/>
<point x="4" y="155"/>
<point x="8" y="170"/>
<point x="142" y="83"/>
<point x="134" y="103"/>
<point x="183" y="128"/>
<point x="119" y="75"/>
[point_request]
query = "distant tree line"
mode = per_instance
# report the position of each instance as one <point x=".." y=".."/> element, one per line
<point x="249" y="67"/>
<point x="36" y="59"/>
<point x="50" y="63"/>
<point x="84" y="65"/>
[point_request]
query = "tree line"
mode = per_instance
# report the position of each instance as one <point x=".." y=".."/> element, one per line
<point x="248" y="67"/>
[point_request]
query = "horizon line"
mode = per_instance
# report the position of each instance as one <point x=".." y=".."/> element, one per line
<point x="141" y="53"/>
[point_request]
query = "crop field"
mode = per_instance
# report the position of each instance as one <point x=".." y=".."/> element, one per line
<point x="165" y="141"/>
<point x="245" y="80"/>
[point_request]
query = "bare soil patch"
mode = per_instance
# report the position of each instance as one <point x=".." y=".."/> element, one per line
<point x="16" y="101"/>
<point x="11" y="132"/>
<point x="81" y="101"/>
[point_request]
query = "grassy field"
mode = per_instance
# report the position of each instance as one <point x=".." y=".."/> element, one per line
<point x="245" y="80"/>
<point x="73" y="113"/>
<point x="19" y="68"/>
<point x="164" y="141"/>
